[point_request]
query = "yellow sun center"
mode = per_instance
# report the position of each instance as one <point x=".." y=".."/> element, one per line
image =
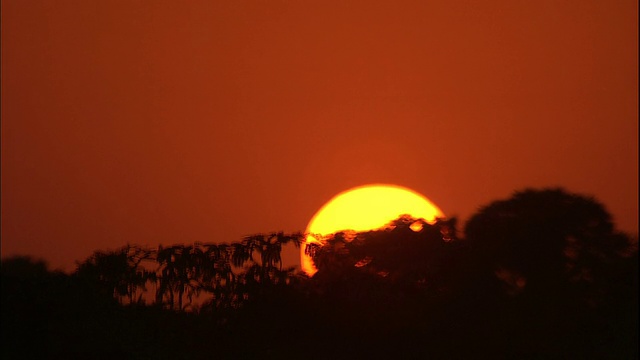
<point x="366" y="208"/>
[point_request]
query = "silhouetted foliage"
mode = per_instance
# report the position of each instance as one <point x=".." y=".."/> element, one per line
<point x="409" y="257"/>
<point x="220" y="276"/>
<point x="566" y="273"/>
<point x="119" y="274"/>
<point x="543" y="274"/>
<point x="543" y="241"/>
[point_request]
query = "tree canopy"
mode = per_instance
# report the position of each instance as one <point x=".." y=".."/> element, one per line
<point x="542" y="274"/>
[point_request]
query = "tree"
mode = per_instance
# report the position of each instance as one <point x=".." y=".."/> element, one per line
<point x="264" y="273"/>
<point x="180" y="274"/>
<point x="563" y="270"/>
<point x="407" y="250"/>
<point x="544" y="239"/>
<point x="218" y="278"/>
<point x="118" y="274"/>
<point x="397" y="270"/>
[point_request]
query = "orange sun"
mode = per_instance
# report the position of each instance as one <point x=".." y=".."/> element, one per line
<point x="364" y="208"/>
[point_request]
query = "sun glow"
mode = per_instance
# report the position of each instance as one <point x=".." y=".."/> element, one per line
<point x="366" y="208"/>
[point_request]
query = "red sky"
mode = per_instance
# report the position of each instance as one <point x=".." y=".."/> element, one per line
<point x="171" y="122"/>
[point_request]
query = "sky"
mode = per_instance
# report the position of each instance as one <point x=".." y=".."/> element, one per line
<point x="161" y="122"/>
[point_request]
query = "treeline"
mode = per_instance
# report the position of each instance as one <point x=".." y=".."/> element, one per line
<point x="543" y="274"/>
<point x="140" y="302"/>
<point x="219" y="276"/>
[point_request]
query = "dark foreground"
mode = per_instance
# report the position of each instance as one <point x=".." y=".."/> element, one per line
<point x="543" y="275"/>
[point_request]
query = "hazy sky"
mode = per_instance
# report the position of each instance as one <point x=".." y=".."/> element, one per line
<point x="177" y="121"/>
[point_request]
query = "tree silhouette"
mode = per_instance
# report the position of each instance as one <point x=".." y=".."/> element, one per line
<point x="179" y="274"/>
<point x="379" y="284"/>
<point x="218" y="278"/>
<point x="119" y="273"/>
<point x="543" y="274"/>
<point x="401" y="253"/>
<point x="264" y="274"/>
<point x="547" y="240"/>
<point x="566" y="273"/>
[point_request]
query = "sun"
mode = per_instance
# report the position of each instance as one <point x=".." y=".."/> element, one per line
<point x="364" y="208"/>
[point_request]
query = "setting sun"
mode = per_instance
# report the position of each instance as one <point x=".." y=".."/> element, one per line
<point x="365" y="208"/>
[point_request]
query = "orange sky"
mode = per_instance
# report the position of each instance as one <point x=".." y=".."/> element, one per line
<point x="177" y="121"/>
